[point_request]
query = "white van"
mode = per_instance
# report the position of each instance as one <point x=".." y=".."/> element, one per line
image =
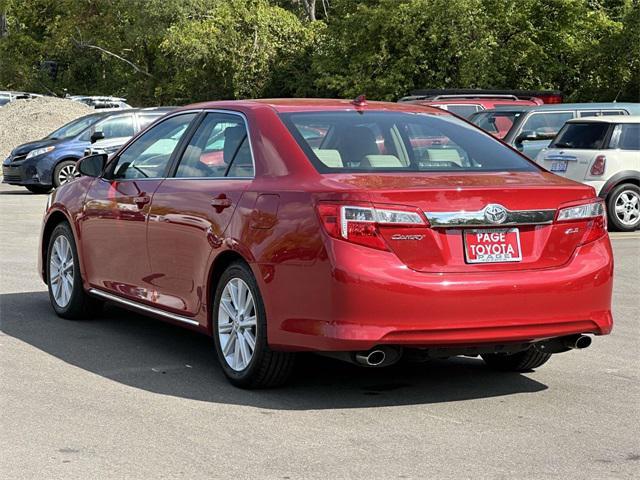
<point x="603" y="152"/>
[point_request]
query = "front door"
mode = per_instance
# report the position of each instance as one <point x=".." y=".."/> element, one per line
<point x="192" y="208"/>
<point x="113" y="229"/>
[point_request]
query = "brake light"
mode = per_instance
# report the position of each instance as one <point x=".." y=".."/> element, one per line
<point x="593" y="213"/>
<point x="361" y="224"/>
<point x="598" y="166"/>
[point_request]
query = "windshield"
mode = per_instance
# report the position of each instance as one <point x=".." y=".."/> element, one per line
<point x="586" y="136"/>
<point x="398" y="142"/>
<point x="74" y="127"/>
<point x="496" y="123"/>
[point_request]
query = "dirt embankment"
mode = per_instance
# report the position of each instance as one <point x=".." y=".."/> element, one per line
<point x="24" y="121"/>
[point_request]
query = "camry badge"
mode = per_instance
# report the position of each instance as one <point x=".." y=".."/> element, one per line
<point x="495" y="214"/>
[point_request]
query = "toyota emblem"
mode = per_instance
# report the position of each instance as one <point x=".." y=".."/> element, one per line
<point x="495" y="214"/>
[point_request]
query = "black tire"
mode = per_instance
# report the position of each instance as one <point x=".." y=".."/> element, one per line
<point x="80" y="305"/>
<point x="267" y="368"/>
<point x="57" y="172"/>
<point x="517" y="362"/>
<point x="39" y="189"/>
<point x="613" y="198"/>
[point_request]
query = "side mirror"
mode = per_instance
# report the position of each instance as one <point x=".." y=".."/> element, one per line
<point x="97" y="135"/>
<point x="93" y="165"/>
<point x="526" y="136"/>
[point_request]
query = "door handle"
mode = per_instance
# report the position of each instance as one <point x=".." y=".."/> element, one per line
<point x="141" y="200"/>
<point x="221" y="202"/>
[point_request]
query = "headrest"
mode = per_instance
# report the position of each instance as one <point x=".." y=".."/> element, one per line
<point x="381" y="161"/>
<point x="331" y="158"/>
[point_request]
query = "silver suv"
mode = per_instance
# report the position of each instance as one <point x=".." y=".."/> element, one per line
<point x="603" y="152"/>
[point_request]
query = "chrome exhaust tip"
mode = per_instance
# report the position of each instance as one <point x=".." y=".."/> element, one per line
<point x="577" y="342"/>
<point x="372" y="358"/>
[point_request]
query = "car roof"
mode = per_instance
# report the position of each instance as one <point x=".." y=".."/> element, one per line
<point x="631" y="107"/>
<point x="607" y="119"/>
<point x="283" y="105"/>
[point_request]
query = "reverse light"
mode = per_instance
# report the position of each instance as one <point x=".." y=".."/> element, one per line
<point x="580" y="212"/>
<point x="593" y="213"/>
<point x="39" y="151"/>
<point x="598" y="167"/>
<point x="360" y="224"/>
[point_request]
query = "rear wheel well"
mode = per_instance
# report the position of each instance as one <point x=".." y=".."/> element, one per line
<point x="632" y="180"/>
<point x="220" y="264"/>
<point x="53" y="221"/>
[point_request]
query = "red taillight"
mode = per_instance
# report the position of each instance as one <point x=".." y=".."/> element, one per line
<point x="361" y="223"/>
<point x="599" y="166"/>
<point x="595" y="216"/>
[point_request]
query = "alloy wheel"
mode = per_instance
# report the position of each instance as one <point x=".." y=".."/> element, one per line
<point x="67" y="173"/>
<point x="627" y="207"/>
<point x="237" y="324"/>
<point x="61" y="271"/>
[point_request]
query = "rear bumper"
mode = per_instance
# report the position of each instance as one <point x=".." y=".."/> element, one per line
<point x="367" y="303"/>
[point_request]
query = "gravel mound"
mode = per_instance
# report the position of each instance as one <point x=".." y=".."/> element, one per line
<point x="23" y="121"/>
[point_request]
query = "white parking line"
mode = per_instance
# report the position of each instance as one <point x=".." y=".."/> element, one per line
<point x="624" y="235"/>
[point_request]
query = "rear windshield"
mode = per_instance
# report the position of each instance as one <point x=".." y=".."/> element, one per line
<point x="398" y="142"/>
<point x="496" y="123"/>
<point x="584" y="136"/>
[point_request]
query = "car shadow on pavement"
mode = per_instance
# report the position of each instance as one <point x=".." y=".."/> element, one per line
<point x="154" y="356"/>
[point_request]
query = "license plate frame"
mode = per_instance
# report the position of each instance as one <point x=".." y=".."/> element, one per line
<point x="559" y="166"/>
<point x="492" y="256"/>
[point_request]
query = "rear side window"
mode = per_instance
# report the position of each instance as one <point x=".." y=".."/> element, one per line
<point x="117" y="127"/>
<point x="586" y="136"/>
<point x="546" y="123"/>
<point x="626" y="136"/>
<point x="398" y="142"/>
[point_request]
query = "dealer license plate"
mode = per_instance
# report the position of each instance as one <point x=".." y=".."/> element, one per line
<point x="492" y="245"/>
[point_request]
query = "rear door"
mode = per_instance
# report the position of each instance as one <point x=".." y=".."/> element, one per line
<point x="193" y="207"/>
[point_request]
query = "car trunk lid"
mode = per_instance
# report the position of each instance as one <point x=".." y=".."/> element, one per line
<point x="456" y="203"/>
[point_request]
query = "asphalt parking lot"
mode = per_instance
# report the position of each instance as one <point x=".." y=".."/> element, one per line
<point x="124" y="396"/>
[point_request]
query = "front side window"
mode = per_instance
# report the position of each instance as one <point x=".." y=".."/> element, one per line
<point x="121" y="126"/>
<point x="626" y="136"/>
<point x="543" y="123"/>
<point x="74" y="127"/>
<point x="399" y="142"/>
<point x="148" y="156"/>
<point x="147" y="119"/>
<point x="586" y="136"/>
<point x="218" y="148"/>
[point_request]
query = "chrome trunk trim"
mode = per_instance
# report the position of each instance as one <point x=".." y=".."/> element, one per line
<point x="144" y="308"/>
<point x="481" y="219"/>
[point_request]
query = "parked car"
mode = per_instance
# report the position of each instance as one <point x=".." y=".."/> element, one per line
<point x="10" y="96"/>
<point x="603" y="152"/>
<point x="530" y="129"/>
<point x="101" y="102"/>
<point x="48" y="163"/>
<point x="394" y="233"/>
<point x="111" y="145"/>
<point x="466" y="102"/>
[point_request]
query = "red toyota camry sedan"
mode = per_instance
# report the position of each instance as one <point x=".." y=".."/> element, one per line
<point x="360" y="230"/>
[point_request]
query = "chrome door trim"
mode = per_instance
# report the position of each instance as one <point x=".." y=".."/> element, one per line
<point x="144" y="308"/>
<point x="478" y="219"/>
